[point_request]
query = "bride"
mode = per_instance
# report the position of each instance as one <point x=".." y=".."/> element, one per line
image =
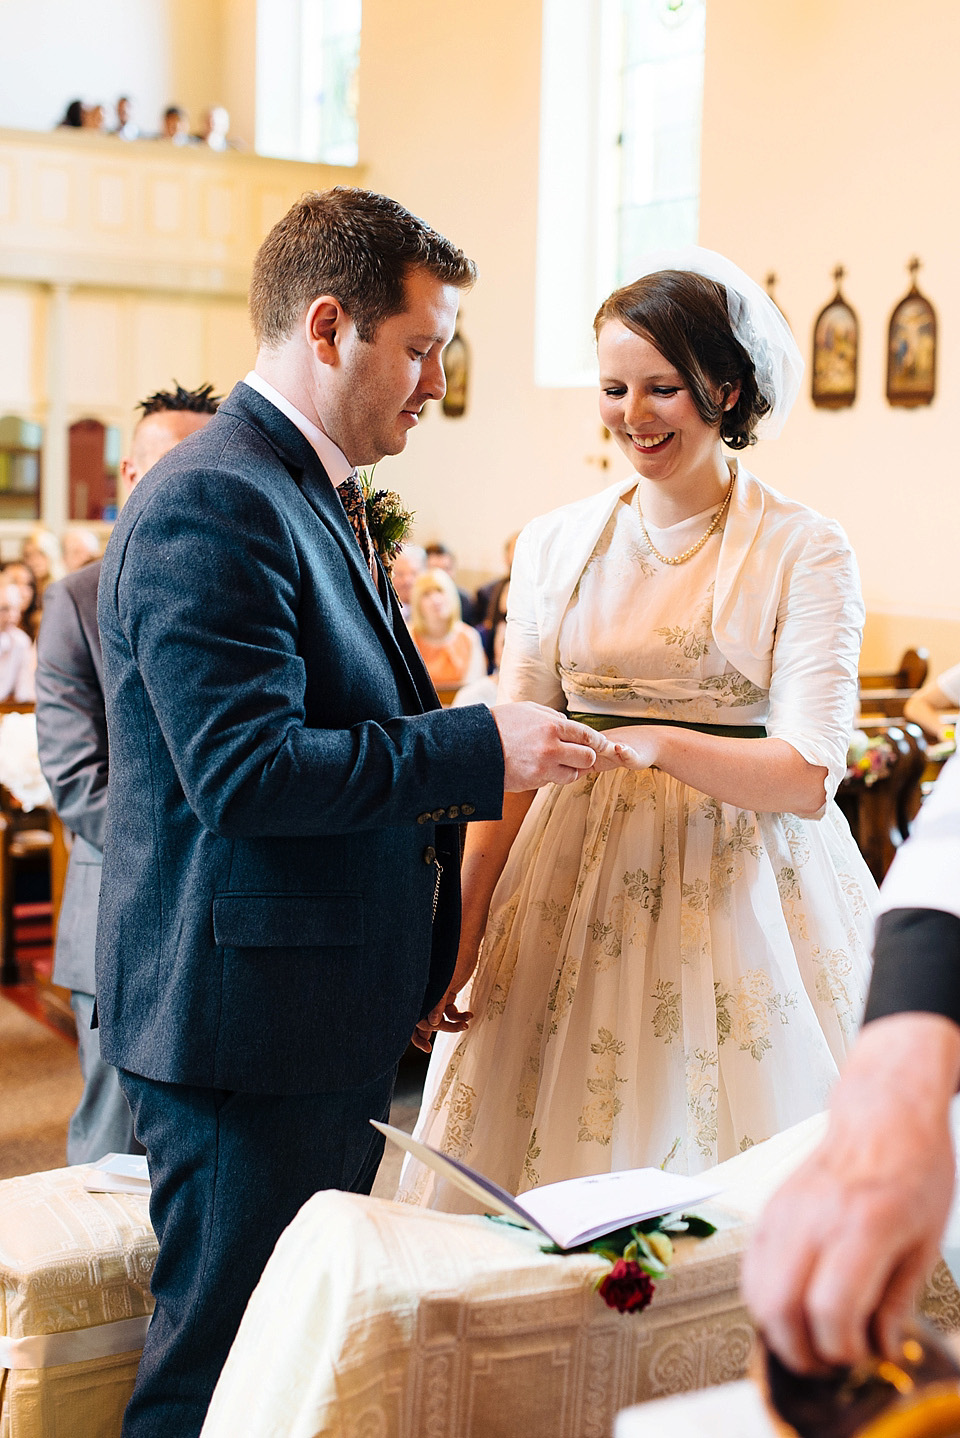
<point x="674" y="953"/>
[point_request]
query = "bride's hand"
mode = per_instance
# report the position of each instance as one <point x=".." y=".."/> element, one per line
<point x="637" y="746"/>
<point x="445" y="1016"/>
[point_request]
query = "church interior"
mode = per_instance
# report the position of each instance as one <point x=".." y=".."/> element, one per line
<point x="124" y="268"/>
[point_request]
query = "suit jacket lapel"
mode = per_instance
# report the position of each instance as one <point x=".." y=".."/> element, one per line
<point x="301" y="459"/>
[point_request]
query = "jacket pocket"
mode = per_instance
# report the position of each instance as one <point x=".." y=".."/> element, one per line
<point x="287" y="921"/>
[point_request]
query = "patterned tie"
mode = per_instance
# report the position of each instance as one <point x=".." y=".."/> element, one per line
<point x="351" y="497"/>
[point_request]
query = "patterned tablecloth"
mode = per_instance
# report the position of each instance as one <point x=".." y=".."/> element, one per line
<point x="377" y="1320"/>
<point x="74" y="1304"/>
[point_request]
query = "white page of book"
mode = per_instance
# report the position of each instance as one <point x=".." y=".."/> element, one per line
<point x="576" y="1210"/>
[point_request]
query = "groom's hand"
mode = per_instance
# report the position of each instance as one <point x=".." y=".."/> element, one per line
<point x="542" y="746"/>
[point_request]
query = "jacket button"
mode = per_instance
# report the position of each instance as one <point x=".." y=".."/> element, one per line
<point x="439" y="814"/>
<point x="423" y="818"/>
<point x="453" y="812"/>
<point x="429" y="855"/>
<point x="467" y="809"/>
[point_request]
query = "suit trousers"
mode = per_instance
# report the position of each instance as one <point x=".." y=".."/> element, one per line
<point x="102" y="1122"/>
<point x="229" y="1171"/>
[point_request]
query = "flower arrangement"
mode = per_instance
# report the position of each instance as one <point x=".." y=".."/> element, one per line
<point x="869" y="759"/>
<point x="639" y="1254"/>
<point x="387" y="520"/>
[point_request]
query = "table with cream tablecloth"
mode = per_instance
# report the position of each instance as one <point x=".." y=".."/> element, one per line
<point x="381" y="1320"/>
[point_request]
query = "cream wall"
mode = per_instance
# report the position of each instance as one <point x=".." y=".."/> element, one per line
<point x="832" y="135"/>
<point x="453" y="132"/>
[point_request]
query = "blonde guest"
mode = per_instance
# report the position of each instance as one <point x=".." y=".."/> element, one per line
<point x="450" y="649"/>
<point x="40" y="551"/>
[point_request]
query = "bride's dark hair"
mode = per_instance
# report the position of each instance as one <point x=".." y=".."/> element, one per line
<point x="684" y="316"/>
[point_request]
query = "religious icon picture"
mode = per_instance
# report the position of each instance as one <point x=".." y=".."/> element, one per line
<point x="456" y="369"/>
<point x="912" y="348"/>
<point x="836" y="339"/>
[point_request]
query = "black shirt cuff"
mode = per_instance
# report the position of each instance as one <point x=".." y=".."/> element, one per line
<point x="916" y="964"/>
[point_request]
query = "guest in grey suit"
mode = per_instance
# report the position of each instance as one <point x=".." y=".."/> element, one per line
<point x="281" y="894"/>
<point x="72" y="737"/>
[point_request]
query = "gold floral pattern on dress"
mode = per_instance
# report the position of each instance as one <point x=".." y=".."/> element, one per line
<point x="854" y="893"/>
<point x="795" y="833"/>
<point x="691" y="642"/>
<point x="563" y="991"/>
<point x="498" y="954"/>
<point x="733" y="690"/>
<point x="461" y="1120"/>
<point x="553" y="915"/>
<point x="702" y="1091"/>
<point x="530" y="1080"/>
<point x="730" y="843"/>
<point x="666" y="1016"/>
<point x="607" y="936"/>
<point x="530" y="1175"/>
<point x="834" y="977"/>
<point x="721" y="1001"/>
<point x="637" y="886"/>
<point x="754" y="1004"/>
<point x="597" y="1115"/>
<point x="745" y="1143"/>
<point x="789" y="886"/>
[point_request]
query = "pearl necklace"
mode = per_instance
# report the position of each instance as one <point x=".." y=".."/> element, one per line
<point x="694" y="548"/>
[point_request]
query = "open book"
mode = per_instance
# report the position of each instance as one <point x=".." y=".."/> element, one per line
<point x="576" y="1210"/>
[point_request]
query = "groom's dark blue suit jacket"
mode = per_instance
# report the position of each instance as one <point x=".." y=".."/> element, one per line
<point x="282" y="780"/>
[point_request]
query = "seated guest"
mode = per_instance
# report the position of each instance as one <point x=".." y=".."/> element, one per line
<point x="175" y="127"/>
<point x="95" y="118"/>
<point x="409" y="563"/>
<point x="484" y="691"/>
<point x="126" y="127"/>
<point x="440" y="557"/>
<point x="72" y="116"/>
<point x="17" y="656"/>
<point x="937" y="697"/>
<point x="450" y="649"/>
<point x="21" y="575"/>
<point x="80" y="546"/>
<point x="216" y="129"/>
<point x="40" y="551"/>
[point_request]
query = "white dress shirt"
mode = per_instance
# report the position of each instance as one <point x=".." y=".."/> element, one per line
<point x="333" y="459"/>
<point x="331" y="456"/>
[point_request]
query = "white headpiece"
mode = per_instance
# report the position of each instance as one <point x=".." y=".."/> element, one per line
<point x="756" y="323"/>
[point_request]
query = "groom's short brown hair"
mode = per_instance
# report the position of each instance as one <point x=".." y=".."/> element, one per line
<point x="353" y="244"/>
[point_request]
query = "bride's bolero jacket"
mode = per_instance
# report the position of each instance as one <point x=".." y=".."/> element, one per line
<point x="787" y="611"/>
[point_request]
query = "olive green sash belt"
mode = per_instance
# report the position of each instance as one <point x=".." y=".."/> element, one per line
<point x="618" y="721"/>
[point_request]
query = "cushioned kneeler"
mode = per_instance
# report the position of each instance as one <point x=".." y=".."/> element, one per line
<point x="74" y="1304"/>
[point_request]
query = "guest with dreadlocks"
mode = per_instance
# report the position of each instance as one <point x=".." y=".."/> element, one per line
<point x="72" y="737"/>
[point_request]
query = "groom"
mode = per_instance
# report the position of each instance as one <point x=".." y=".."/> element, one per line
<point x="280" y="899"/>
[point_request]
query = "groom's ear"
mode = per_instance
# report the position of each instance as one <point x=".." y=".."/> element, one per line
<point x="322" y="325"/>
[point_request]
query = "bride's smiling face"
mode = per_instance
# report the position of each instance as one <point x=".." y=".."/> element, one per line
<point x="648" y="408"/>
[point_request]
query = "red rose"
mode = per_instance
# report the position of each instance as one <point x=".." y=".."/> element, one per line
<point x="626" y="1287"/>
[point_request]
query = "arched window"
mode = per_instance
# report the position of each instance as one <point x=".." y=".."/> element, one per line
<point x="621" y="100"/>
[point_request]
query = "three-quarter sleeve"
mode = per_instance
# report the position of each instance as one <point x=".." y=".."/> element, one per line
<point x="814" y="683"/>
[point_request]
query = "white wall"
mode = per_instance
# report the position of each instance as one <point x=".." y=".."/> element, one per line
<point x="160" y="52"/>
